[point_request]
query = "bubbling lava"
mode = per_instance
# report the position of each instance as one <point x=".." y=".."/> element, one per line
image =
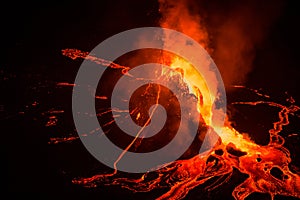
<point x="233" y="150"/>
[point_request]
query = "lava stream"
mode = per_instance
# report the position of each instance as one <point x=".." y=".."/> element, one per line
<point x="267" y="166"/>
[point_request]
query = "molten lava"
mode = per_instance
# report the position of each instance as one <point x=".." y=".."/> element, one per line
<point x="267" y="166"/>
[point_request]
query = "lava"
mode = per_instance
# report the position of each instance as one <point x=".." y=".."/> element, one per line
<point x="267" y="166"/>
<point x="75" y="53"/>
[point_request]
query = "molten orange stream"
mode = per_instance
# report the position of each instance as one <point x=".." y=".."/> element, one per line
<point x="233" y="151"/>
<point x="138" y="133"/>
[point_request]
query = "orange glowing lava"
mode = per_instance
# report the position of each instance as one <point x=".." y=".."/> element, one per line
<point x="267" y="166"/>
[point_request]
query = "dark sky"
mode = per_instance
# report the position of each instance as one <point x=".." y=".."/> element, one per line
<point x="34" y="33"/>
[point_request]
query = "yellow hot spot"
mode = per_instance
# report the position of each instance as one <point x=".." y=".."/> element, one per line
<point x="138" y="116"/>
<point x="230" y="135"/>
<point x="197" y="86"/>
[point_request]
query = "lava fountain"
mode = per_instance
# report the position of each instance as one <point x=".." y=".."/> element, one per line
<point x="267" y="166"/>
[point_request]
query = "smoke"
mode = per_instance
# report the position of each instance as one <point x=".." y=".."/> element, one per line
<point x="183" y="16"/>
<point x="237" y="33"/>
<point x="231" y="32"/>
